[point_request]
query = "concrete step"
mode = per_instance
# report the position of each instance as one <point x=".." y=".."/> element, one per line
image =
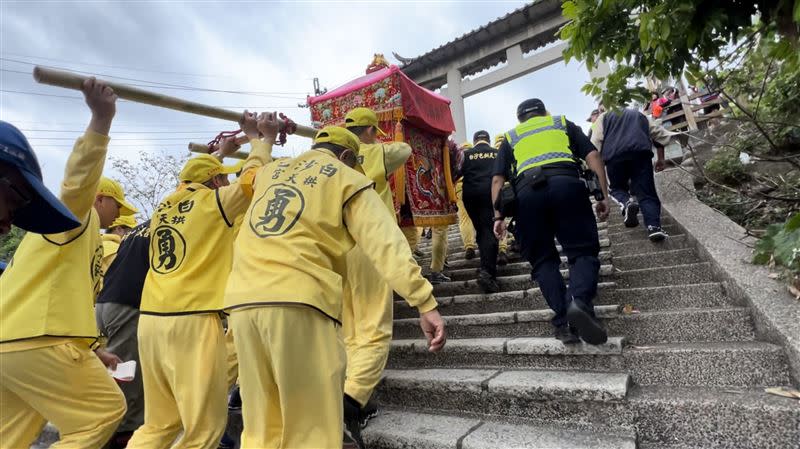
<point x="512" y="269"/>
<point x="645" y="299"/>
<point x="456" y="245"/>
<point x="466" y="283"/>
<point x="394" y="429"/>
<point x="604" y="256"/>
<point x="547" y="396"/>
<point x="458" y="254"/>
<point x="745" y="364"/>
<point x="515" y="269"/>
<point x="694" y="273"/>
<point x="645" y="246"/>
<point x="711" y="418"/>
<point x="662" y="259"/>
<point x="637" y="234"/>
<point x="646" y="328"/>
<point x="615" y="223"/>
<point x="506" y="283"/>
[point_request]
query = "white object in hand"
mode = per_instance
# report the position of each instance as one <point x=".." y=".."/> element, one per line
<point x="125" y="371"/>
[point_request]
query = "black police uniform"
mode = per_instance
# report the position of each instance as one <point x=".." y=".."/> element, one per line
<point x="477" y="171"/>
<point x="560" y="208"/>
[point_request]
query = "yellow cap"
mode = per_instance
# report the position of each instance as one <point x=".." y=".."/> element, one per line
<point x="338" y="136"/>
<point x="362" y="117"/>
<point x="499" y="138"/>
<point x="204" y="167"/>
<point x="113" y="189"/>
<point x="129" y="221"/>
<point x="466" y="145"/>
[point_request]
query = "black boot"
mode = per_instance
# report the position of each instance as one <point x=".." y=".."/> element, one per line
<point x="352" y="421"/>
<point x="566" y="335"/>
<point x="588" y="326"/>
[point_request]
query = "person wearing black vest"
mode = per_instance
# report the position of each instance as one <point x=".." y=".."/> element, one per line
<point x="117" y="316"/>
<point x="476" y="171"/>
<point x="625" y="140"/>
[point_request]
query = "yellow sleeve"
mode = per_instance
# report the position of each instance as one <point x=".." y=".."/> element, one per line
<point x="235" y="198"/>
<point x="597" y="132"/>
<point x="376" y="231"/>
<point x="395" y="154"/>
<point x="81" y="178"/>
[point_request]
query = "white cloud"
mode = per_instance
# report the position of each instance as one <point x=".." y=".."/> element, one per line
<point x="250" y="46"/>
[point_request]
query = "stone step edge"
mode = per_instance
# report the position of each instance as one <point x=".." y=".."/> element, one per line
<point x="532" y="384"/>
<point x="549" y="346"/>
<point x="604" y="312"/>
<point x="410" y="429"/>
<point x="609" y="287"/>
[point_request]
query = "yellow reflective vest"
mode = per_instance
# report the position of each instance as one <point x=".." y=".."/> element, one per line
<point x="540" y="141"/>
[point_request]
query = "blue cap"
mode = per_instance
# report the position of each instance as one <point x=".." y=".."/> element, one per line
<point x="45" y="214"/>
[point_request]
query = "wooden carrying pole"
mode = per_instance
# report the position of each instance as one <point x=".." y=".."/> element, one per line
<point x="74" y="81"/>
<point x="203" y="148"/>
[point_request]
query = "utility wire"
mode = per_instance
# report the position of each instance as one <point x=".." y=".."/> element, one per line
<point x="119" y="67"/>
<point x="294" y="95"/>
<point x="127" y="101"/>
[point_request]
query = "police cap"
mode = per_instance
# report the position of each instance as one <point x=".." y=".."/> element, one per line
<point x="530" y="105"/>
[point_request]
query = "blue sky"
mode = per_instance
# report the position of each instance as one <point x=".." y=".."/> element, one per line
<point x="272" y="49"/>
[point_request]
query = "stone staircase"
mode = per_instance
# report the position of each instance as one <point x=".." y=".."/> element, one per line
<point x="681" y="369"/>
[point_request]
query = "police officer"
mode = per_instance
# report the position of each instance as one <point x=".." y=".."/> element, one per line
<point x="477" y="169"/>
<point x="552" y="201"/>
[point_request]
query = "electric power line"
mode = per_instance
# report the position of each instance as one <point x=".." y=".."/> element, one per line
<point x="126" y="101"/>
<point x="288" y="95"/>
<point x="120" y="67"/>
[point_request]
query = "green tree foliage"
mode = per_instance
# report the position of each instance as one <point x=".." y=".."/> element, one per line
<point x="664" y="38"/>
<point x="10" y="242"/>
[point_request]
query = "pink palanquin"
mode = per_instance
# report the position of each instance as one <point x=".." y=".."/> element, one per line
<point x="426" y="198"/>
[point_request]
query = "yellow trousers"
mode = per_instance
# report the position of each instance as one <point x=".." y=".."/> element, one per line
<point x="465" y="226"/>
<point x="291" y="375"/>
<point x="438" y="248"/>
<point x="232" y="360"/>
<point x="366" y="324"/>
<point x="183" y="369"/>
<point x="412" y="235"/>
<point x="65" y="384"/>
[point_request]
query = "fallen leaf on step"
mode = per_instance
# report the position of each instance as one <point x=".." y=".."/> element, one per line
<point x="786" y="392"/>
<point x="774" y="275"/>
<point x="628" y="309"/>
<point x="793" y="290"/>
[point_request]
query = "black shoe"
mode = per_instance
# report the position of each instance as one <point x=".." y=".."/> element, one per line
<point x="588" y="327"/>
<point x="428" y="233"/>
<point x="226" y="442"/>
<point x="368" y="412"/>
<point x="348" y="443"/>
<point x="352" y="421"/>
<point x="235" y="401"/>
<point x="487" y="283"/>
<point x="656" y="234"/>
<point x="631" y="212"/>
<point x="436" y="278"/>
<point x="566" y="335"/>
<point x="469" y="254"/>
<point x="418" y="253"/>
<point x="502" y="259"/>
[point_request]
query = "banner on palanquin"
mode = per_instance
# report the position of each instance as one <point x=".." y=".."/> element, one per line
<point x="421" y="192"/>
